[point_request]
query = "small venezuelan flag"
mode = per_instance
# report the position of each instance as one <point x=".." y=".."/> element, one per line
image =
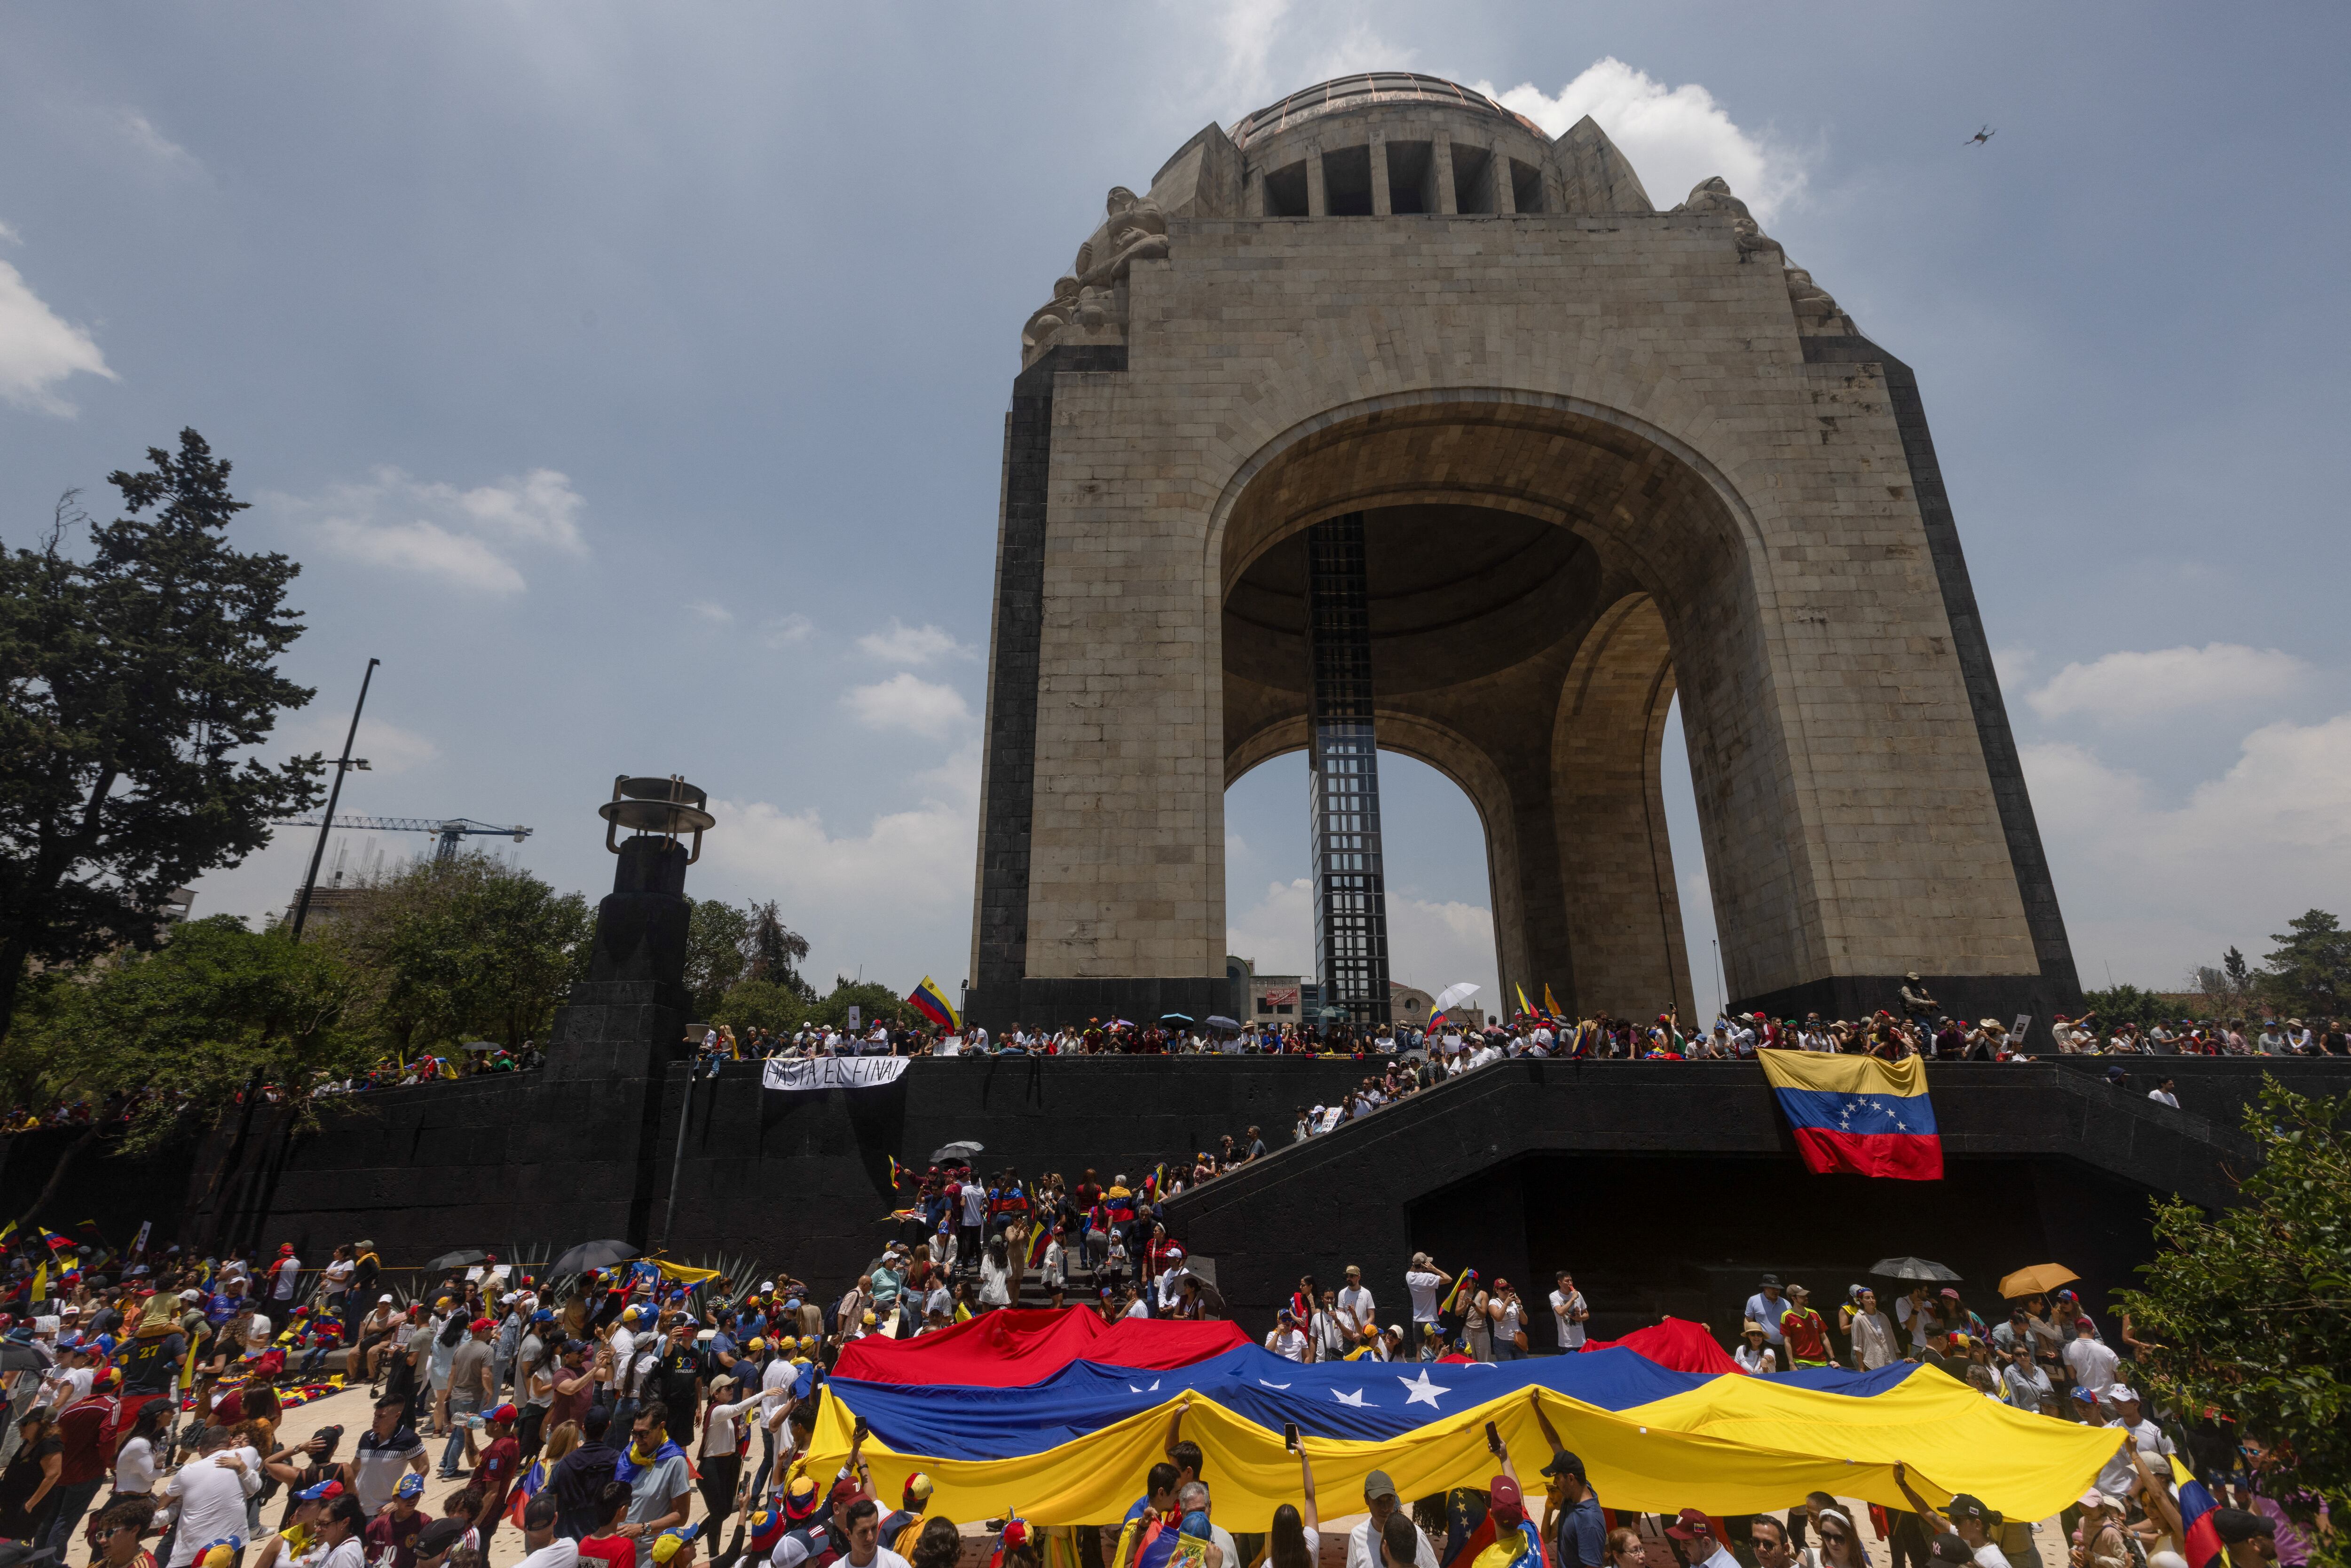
<point x="897" y="1172"/>
<point x="1858" y="1113"/>
<point x="1550" y="1008"/>
<point x="932" y="1003"/>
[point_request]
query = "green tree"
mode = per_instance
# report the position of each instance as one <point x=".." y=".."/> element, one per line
<point x="773" y="951"/>
<point x="133" y="685"/>
<point x="2247" y="1312"/>
<point x="872" y="1001"/>
<point x="2119" y="1005"/>
<point x="2309" y="975"/>
<point x="217" y="1007"/>
<point x="760" y="1004"/>
<point x="716" y="935"/>
<point x="470" y="947"/>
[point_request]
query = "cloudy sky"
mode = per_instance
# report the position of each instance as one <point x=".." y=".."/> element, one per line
<point x="630" y="379"/>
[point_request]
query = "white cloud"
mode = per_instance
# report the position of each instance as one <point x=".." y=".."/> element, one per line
<point x="387" y="748"/>
<point x="467" y="538"/>
<point x="2167" y="887"/>
<point x="1675" y="137"/>
<point x="783" y="631"/>
<point x="1430" y="945"/>
<point x="905" y="701"/>
<point x="2013" y="666"/>
<point x="899" y="643"/>
<point x="1261" y="50"/>
<point x="2143" y="686"/>
<point x="717" y="615"/>
<point x="39" y="349"/>
<point x="424" y="547"/>
<point x="156" y="147"/>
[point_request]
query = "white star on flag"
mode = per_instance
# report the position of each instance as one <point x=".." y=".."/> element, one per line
<point x="1355" y="1399"/>
<point x="1422" y="1392"/>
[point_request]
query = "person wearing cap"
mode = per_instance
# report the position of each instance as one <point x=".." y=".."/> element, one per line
<point x="468" y="1390"/>
<point x="1285" y="1340"/>
<point x="1516" y="1542"/>
<point x="1765" y="1307"/>
<point x="2120" y="1477"/>
<point x="902" y="1527"/>
<point x="391" y="1535"/>
<point x="1358" y="1317"/>
<point x="2088" y="1359"/>
<point x="546" y="1548"/>
<point x="1579" y="1529"/>
<point x="1703" y="1549"/>
<point x="718" y="1454"/>
<point x="438" y="1540"/>
<point x="2251" y="1539"/>
<point x="496" y="1467"/>
<point x="2099" y="1539"/>
<point x="1964" y="1518"/>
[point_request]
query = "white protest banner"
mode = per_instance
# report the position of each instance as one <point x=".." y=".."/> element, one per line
<point x="834" y="1073"/>
<point x="140" y="1244"/>
<point x="2023" y="1026"/>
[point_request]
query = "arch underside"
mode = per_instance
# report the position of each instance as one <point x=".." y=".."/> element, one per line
<point x="1530" y="570"/>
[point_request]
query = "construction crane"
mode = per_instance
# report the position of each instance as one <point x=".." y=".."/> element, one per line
<point x="450" y="829"/>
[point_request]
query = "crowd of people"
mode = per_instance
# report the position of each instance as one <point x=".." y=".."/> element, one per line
<point x="626" y="1417"/>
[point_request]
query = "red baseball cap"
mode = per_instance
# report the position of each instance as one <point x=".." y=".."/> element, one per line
<point x="1693" y="1525"/>
<point x="1504" y="1500"/>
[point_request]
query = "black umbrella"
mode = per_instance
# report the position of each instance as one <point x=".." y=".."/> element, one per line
<point x="19" y="1356"/>
<point x="1219" y="1020"/>
<point x="962" y="1150"/>
<point x="591" y="1255"/>
<point x="1910" y="1269"/>
<point x="464" y="1256"/>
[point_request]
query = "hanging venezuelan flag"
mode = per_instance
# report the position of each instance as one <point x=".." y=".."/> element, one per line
<point x="1857" y="1113"/>
<point x="932" y="1003"/>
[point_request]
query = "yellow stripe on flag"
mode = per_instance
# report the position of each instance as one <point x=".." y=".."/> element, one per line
<point x="1832" y="1074"/>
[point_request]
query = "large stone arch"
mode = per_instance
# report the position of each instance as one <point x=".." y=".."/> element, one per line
<point x="1260" y="345"/>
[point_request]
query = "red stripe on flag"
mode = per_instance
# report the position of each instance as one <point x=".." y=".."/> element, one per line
<point x="1906" y="1156"/>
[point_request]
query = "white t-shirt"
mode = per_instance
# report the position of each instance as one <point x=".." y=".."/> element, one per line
<point x="775" y="1386"/>
<point x="339" y="1275"/>
<point x="1354" y="1308"/>
<point x="134" y="1466"/>
<point x="211" y="1505"/>
<point x="975" y="1203"/>
<point x="1761" y="1362"/>
<point x="1570" y="1334"/>
<point x="287" y="1269"/>
<point x="561" y="1552"/>
<point x="1287" y="1343"/>
<point x="2092" y="1363"/>
<point x="2161" y="1097"/>
<point x="1423" y="1288"/>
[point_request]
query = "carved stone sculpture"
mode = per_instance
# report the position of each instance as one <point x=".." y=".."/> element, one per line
<point x="1815" y="306"/>
<point x="1712" y="194"/>
<point x="1133" y="229"/>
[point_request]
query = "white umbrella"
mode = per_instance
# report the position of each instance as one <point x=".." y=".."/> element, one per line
<point x="1459" y="991"/>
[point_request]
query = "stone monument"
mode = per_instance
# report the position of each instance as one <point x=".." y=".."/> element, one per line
<point x="1598" y="456"/>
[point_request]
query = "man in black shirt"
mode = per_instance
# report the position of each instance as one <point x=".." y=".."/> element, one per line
<point x="580" y="1476"/>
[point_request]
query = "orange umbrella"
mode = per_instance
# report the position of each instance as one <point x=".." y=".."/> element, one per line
<point x="2037" y="1281"/>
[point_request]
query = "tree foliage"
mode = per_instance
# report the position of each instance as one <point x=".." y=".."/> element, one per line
<point x="2119" y="1005"/>
<point x="716" y="936"/>
<point x="2309" y="975"/>
<point x="775" y="951"/>
<point x="2250" y="1309"/>
<point x="760" y="1004"/>
<point x="133" y="685"/>
<point x="217" y="1007"/>
<point x="872" y="1001"/>
<point x="466" y="948"/>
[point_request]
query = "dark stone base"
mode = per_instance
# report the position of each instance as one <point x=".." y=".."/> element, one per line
<point x="2001" y="997"/>
<point x="1050" y="1004"/>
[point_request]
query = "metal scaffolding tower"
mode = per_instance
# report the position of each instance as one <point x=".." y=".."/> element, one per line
<point x="1351" y="910"/>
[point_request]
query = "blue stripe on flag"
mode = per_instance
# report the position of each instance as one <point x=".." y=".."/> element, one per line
<point x="1863" y="1113"/>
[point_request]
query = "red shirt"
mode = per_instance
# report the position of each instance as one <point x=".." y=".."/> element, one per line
<point x="496" y="1470"/>
<point x="82" y="1429"/>
<point x="1806" y="1334"/>
<point x="614" y="1551"/>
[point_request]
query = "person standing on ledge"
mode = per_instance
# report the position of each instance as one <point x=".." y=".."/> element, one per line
<point x="1916" y="1002"/>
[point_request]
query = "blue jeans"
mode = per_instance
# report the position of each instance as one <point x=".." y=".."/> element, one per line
<point x="453" y="1453"/>
<point x="1504" y="1350"/>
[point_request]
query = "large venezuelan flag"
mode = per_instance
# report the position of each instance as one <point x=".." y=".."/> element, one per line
<point x="1858" y="1113"/>
<point x="932" y="1003"/>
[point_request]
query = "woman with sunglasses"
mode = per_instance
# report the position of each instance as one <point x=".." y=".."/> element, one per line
<point x="1840" y="1546"/>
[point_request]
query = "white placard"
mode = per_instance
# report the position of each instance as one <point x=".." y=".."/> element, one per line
<point x="833" y="1071"/>
<point x="2023" y="1025"/>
